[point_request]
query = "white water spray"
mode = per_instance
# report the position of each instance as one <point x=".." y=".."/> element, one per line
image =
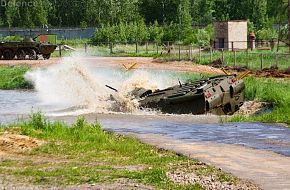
<point x="74" y="83"/>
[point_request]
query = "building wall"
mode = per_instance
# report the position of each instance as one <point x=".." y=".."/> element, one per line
<point x="220" y="32"/>
<point x="233" y="32"/>
<point x="238" y="34"/>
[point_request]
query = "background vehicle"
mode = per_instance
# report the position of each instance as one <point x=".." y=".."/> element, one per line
<point x="26" y="49"/>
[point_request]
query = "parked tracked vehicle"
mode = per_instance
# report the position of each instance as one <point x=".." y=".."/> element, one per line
<point x="220" y="95"/>
<point x="26" y="49"/>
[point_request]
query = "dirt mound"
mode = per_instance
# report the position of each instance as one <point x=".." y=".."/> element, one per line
<point x="287" y="71"/>
<point x="219" y="64"/>
<point x="254" y="108"/>
<point x="14" y="143"/>
<point x="273" y="72"/>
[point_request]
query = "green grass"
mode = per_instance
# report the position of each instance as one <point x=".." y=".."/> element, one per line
<point x="74" y="42"/>
<point x="254" y="60"/>
<point x="240" y="58"/>
<point x="119" y="50"/>
<point x="274" y="91"/>
<point x="83" y="153"/>
<point x="12" y="77"/>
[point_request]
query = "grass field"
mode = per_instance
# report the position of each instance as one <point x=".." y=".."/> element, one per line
<point x="255" y="59"/>
<point x="119" y="50"/>
<point x="85" y="154"/>
<point x="274" y="91"/>
<point x="13" y="78"/>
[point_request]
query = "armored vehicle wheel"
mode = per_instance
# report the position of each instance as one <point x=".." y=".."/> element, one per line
<point x="8" y="54"/>
<point x="20" y="54"/>
<point x="46" y="56"/>
<point x="31" y="54"/>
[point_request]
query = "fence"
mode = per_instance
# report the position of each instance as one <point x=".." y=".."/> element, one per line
<point x="62" y="33"/>
<point x="256" y="60"/>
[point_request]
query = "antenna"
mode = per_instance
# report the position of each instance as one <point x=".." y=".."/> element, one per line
<point x="179" y="83"/>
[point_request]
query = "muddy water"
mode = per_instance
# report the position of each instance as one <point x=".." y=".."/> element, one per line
<point x="188" y="128"/>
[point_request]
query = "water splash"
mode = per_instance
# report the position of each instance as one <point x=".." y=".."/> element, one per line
<point x="74" y="85"/>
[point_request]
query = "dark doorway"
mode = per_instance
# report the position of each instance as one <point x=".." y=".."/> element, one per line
<point x="221" y="43"/>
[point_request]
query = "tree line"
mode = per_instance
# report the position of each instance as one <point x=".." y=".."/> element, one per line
<point x="180" y="15"/>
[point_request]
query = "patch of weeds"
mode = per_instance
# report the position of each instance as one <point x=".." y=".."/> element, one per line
<point x="224" y="177"/>
<point x="12" y="77"/>
<point x="7" y="163"/>
<point x="273" y="91"/>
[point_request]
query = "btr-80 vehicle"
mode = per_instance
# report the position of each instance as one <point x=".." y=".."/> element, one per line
<point x="26" y="49"/>
<point x="220" y="95"/>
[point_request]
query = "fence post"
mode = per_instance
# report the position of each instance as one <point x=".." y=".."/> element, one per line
<point x="146" y="47"/>
<point x="235" y="58"/>
<point x="86" y="48"/>
<point x="179" y="51"/>
<point x="261" y="57"/>
<point x="190" y="52"/>
<point x="210" y="52"/>
<point x="59" y="50"/>
<point x="111" y="48"/>
<point x="247" y="58"/>
<point x="199" y="51"/>
<point x="136" y="47"/>
<point x="157" y="47"/>
<point x="232" y="46"/>
<point x="223" y="56"/>
<point x="276" y="59"/>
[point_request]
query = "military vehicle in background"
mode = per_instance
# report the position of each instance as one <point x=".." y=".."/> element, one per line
<point x="220" y="95"/>
<point x="27" y="49"/>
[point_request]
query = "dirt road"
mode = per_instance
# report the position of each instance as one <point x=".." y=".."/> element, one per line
<point x="142" y="62"/>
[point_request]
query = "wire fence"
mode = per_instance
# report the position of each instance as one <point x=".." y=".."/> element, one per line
<point x="256" y="59"/>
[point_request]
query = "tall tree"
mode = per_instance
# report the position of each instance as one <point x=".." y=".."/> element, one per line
<point x="221" y="10"/>
<point x="164" y="11"/>
<point x="258" y="13"/>
<point x="206" y="10"/>
<point x="185" y="20"/>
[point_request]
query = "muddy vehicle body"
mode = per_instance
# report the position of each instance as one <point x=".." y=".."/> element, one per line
<point x="26" y="49"/>
<point x="220" y="95"/>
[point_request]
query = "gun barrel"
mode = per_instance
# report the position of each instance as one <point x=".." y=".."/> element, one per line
<point x="112" y="88"/>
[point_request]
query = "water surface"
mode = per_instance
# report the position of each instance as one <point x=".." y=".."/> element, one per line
<point x="188" y="128"/>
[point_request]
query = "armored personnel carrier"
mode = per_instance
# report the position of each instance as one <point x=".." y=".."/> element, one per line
<point x="26" y="49"/>
<point x="220" y="95"/>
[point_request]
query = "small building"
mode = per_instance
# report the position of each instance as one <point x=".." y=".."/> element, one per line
<point x="231" y="35"/>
